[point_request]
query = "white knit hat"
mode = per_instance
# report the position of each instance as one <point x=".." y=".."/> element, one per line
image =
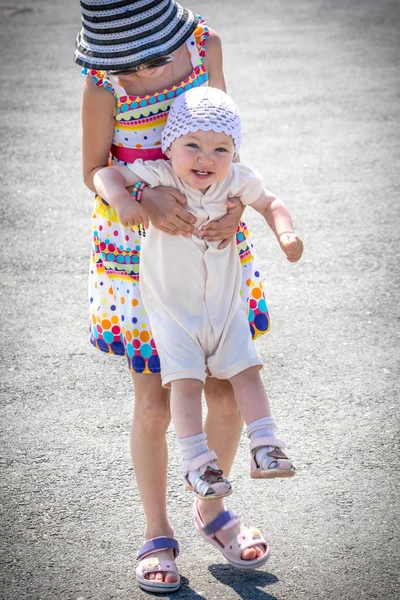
<point x="204" y="108"/>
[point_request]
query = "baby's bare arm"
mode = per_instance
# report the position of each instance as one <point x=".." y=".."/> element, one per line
<point x="111" y="184"/>
<point x="278" y="218"/>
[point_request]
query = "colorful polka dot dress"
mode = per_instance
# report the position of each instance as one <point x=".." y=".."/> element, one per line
<point x="119" y="322"/>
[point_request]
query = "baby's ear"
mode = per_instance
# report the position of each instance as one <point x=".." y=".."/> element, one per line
<point x="168" y="152"/>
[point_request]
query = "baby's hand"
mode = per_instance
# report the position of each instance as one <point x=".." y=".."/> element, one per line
<point x="292" y="246"/>
<point x="130" y="212"/>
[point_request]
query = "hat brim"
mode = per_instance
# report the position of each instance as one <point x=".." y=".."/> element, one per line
<point x="135" y="49"/>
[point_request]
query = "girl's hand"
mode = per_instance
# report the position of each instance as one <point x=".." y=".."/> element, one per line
<point x="225" y="228"/>
<point x="292" y="246"/>
<point x="165" y="208"/>
<point x="130" y="212"/>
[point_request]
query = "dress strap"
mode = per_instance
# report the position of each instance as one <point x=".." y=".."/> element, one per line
<point x="100" y="78"/>
<point x="196" y="43"/>
<point x="117" y="87"/>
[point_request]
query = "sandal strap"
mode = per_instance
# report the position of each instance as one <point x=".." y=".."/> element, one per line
<point x="155" y="565"/>
<point x="284" y="464"/>
<point x="202" y="460"/>
<point x="222" y="519"/>
<point x="157" y="544"/>
<point x="247" y="538"/>
<point x="266" y="441"/>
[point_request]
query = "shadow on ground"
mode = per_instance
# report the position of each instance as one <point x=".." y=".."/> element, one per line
<point x="185" y="592"/>
<point x="246" y="584"/>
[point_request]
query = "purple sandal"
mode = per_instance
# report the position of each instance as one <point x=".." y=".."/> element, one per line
<point x="232" y="551"/>
<point x="152" y="564"/>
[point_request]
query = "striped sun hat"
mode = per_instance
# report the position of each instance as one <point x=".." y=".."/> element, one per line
<point x="120" y="34"/>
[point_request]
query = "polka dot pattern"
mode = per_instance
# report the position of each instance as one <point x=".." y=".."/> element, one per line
<point x="252" y="292"/>
<point x="135" y="104"/>
<point x="119" y="322"/>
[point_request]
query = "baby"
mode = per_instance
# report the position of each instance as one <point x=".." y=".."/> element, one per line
<point x="190" y="287"/>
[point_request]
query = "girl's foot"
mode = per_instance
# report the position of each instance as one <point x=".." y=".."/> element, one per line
<point x="168" y="576"/>
<point x="157" y="571"/>
<point x="205" y="479"/>
<point x="209" y="511"/>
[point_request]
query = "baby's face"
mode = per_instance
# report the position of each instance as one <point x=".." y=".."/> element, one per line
<point x="202" y="158"/>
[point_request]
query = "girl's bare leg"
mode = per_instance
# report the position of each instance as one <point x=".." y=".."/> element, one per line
<point x="151" y="418"/>
<point x="223" y="426"/>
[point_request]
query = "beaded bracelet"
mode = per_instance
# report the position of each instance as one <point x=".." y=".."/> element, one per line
<point x="137" y="195"/>
<point x="138" y="190"/>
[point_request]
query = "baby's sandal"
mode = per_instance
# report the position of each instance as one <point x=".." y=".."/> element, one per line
<point x="205" y="479"/>
<point x="274" y="463"/>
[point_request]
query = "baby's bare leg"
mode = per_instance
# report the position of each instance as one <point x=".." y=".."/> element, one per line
<point x="186" y="407"/>
<point x="251" y="395"/>
<point x="198" y="460"/>
<point x="268" y="460"/>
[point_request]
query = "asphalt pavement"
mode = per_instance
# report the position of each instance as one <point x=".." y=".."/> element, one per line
<point x="317" y="83"/>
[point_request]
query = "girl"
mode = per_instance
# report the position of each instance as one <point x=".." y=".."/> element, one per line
<point x="201" y="326"/>
<point x="138" y="56"/>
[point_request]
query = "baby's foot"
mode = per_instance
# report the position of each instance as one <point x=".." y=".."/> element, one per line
<point x="205" y="479"/>
<point x="270" y="461"/>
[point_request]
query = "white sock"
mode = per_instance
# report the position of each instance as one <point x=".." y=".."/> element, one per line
<point x="261" y="428"/>
<point x="190" y="447"/>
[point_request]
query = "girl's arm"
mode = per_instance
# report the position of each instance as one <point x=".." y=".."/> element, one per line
<point x="166" y="209"/>
<point x="278" y="218"/>
<point x="213" y="61"/>
<point x="111" y="183"/>
<point x="98" y="109"/>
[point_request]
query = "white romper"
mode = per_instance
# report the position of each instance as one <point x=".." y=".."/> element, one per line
<point x="191" y="289"/>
